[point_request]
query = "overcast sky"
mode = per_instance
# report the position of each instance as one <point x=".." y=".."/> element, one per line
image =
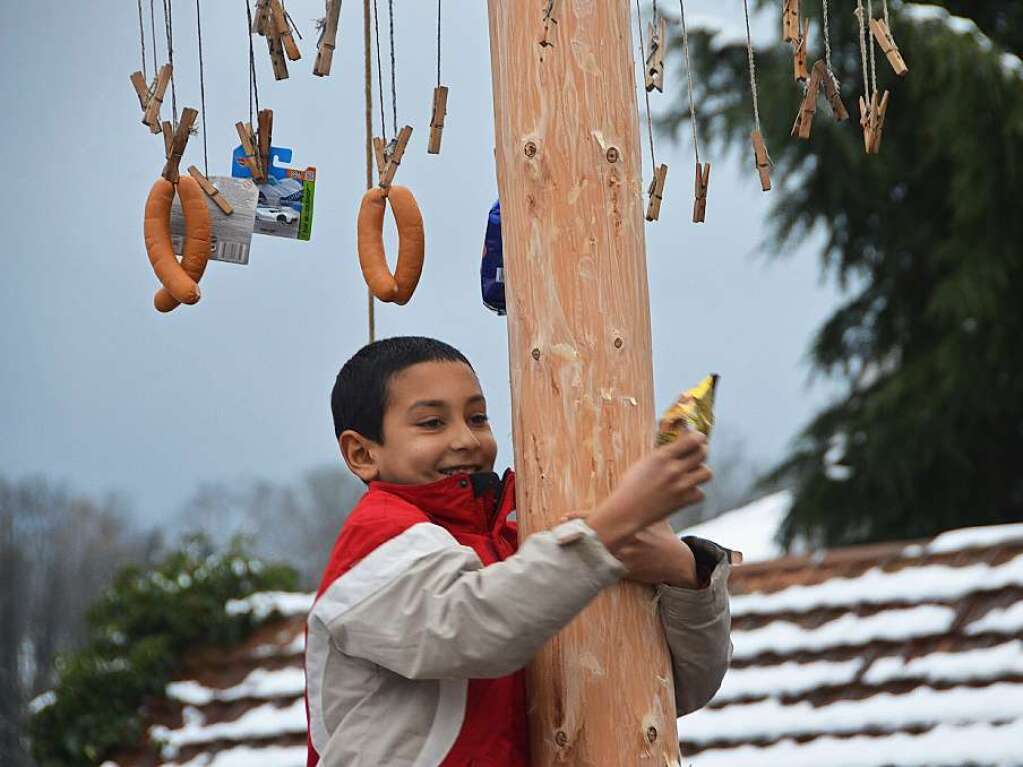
<point x="102" y="392"/>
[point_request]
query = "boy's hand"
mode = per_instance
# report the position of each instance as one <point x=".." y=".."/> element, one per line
<point x="665" y="479"/>
<point x="655" y="555"/>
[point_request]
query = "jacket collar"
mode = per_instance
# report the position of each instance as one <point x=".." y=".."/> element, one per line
<point x="464" y="501"/>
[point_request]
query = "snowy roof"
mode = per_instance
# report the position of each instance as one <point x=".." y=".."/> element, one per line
<point x="901" y="654"/>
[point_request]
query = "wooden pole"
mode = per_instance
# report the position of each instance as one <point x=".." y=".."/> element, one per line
<point x="569" y="174"/>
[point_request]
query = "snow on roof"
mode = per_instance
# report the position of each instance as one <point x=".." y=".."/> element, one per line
<point x="265" y="604"/>
<point x="890" y="654"/>
<point x="750" y="529"/>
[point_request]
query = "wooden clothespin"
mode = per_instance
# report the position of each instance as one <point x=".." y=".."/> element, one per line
<point x="251" y="158"/>
<point x="266" y="123"/>
<point x="440" y="109"/>
<point x="655" y="55"/>
<point x="328" y="39"/>
<point x="168" y="138"/>
<point x="212" y="192"/>
<point x="379" y="152"/>
<point x="261" y="18"/>
<point x="277" y="59"/>
<point x="170" y="169"/>
<point x="878" y="123"/>
<point x="144" y="91"/>
<point x="834" y="95"/>
<point x="763" y="161"/>
<point x="790" y="21"/>
<point x="152" y="113"/>
<point x="799" y="71"/>
<point x="393" y="157"/>
<point x="884" y="38"/>
<point x="656" y="192"/>
<point x="702" y="181"/>
<point x="808" y="107"/>
<point x="284" y="31"/>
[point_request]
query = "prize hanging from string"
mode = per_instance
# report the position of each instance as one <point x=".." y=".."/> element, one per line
<point x="761" y="157"/>
<point x="654" y="78"/>
<point x="821" y="74"/>
<point x="399" y="285"/>
<point x="702" y="171"/>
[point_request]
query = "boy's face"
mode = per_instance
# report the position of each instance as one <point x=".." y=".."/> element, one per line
<point x="435" y="425"/>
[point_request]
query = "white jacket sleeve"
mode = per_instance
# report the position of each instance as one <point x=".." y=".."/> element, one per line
<point x="423" y="606"/>
<point x="697" y="624"/>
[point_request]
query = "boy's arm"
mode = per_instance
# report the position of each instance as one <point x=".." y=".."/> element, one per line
<point x="423" y="606"/>
<point x="697" y="624"/>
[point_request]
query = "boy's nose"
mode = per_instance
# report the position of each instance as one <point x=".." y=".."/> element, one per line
<point x="464" y="439"/>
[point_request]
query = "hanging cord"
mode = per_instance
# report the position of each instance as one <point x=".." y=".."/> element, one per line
<point x="689" y="77"/>
<point x="152" y="36"/>
<point x="752" y="71"/>
<point x="380" y="72"/>
<point x="646" y="93"/>
<point x="438" y="43"/>
<point x="168" y="16"/>
<point x="394" y="89"/>
<point x="291" y="22"/>
<point x="873" y="66"/>
<point x="887" y="21"/>
<point x="142" y="40"/>
<point x="367" y="46"/>
<point x="202" y="92"/>
<point x="863" y="50"/>
<point x="253" y="85"/>
<point x="827" y="46"/>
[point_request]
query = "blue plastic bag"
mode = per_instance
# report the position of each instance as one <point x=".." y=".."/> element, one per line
<point x="492" y="267"/>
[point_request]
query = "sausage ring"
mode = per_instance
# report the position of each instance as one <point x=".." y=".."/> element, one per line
<point x="180" y="280"/>
<point x="397" y="287"/>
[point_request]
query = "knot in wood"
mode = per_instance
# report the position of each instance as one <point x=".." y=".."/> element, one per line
<point x="613" y="154"/>
<point x="651" y="734"/>
<point x="618" y="343"/>
<point x="530" y="149"/>
<point x="536" y="354"/>
<point x="561" y="738"/>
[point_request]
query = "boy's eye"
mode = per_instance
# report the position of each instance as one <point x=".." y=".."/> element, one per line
<point x="431" y="423"/>
<point x="480" y="419"/>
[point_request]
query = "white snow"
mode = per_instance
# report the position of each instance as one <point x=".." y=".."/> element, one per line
<point x="785" y="637"/>
<point x="749" y="529"/>
<point x="260" y="683"/>
<point x="938" y="583"/>
<point x="246" y="756"/>
<point x="918" y="12"/>
<point x="262" y="605"/>
<point x="975" y="537"/>
<point x="295" y="647"/>
<point x="261" y="722"/>
<point x="966" y="666"/>
<point x="1005" y="620"/>
<point x="788" y="678"/>
<point x="41" y="701"/>
<point x="945" y="744"/>
<point x="923" y="706"/>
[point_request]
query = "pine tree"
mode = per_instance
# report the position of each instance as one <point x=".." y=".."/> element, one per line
<point x="926" y="239"/>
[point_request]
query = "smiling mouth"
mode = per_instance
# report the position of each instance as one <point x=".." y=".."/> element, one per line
<point x="452" y="470"/>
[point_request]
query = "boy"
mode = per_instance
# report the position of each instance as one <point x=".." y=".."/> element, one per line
<point x="429" y="609"/>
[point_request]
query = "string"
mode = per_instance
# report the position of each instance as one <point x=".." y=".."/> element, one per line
<point x="168" y="16"/>
<point x="202" y="91"/>
<point x="646" y="93"/>
<point x="253" y="84"/>
<point x="873" y="66"/>
<point x="367" y="49"/>
<point x="752" y="69"/>
<point x="887" y="21"/>
<point x="827" y="46"/>
<point x="380" y="72"/>
<point x="438" y="43"/>
<point x="863" y="50"/>
<point x="689" y="77"/>
<point x="152" y="24"/>
<point x="394" y="90"/>
<point x="142" y="40"/>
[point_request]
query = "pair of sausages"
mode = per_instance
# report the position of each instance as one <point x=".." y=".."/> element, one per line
<point x="399" y="286"/>
<point x="180" y="280"/>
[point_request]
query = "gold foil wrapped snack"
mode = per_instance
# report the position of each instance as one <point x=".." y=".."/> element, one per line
<point x="694" y="409"/>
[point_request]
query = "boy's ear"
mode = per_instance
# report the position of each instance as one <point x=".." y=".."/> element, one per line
<point x="359" y="454"/>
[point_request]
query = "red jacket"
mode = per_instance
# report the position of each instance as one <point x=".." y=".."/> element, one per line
<point x="416" y="645"/>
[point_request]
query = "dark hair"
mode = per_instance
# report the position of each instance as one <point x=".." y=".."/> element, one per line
<point x="359" y="398"/>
